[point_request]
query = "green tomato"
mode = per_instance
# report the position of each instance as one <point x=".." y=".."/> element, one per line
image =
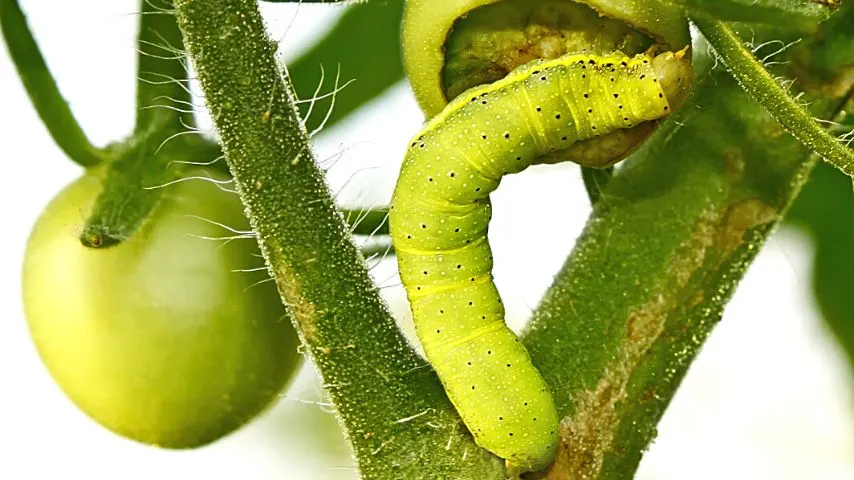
<point x="160" y="338"/>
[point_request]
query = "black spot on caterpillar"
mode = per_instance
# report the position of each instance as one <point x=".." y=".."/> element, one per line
<point x="441" y="211"/>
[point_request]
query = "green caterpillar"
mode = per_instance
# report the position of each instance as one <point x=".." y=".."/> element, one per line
<point x="440" y="213"/>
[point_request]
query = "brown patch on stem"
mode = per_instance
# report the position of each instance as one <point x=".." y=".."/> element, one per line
<point x="589" y="434"/>
<point x="741" y="217"/>
<point x="734" y="165"/>
<point x="303" y="310"/>
<point x="834" y="4"/>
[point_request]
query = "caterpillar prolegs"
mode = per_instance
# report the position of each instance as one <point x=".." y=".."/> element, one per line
<point x="440" y="213"/>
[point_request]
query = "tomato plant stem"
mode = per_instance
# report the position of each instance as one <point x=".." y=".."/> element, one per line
<point x="765" y="89"/>
<point x="162" y="90"/>
<point x="595" y="180"/>
<point x="42" y="89"/>
<point x="155" y="156"/>
<point x="396" y="415"/>
<point x="668" y="242"/>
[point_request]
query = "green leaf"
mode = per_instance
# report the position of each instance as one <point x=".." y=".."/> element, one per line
<point x="826" y="210"/>
<point x="367" y="222"/>
<point x="595" y="180"/>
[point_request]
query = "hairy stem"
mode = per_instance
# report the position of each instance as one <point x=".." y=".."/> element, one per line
<point x="162" y="90"/>
<point x="766" y="90"/>
<point x="391" y="405"/>
<point x="149" y="160"/>
<point x="649" y="278"/>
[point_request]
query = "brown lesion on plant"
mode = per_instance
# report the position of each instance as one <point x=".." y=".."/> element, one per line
<point x="303" y="310"/>
<point x="734" y="165"/>
<point x="834" y="4"/>
<point x="590" y="433"/>
<point x="740" y="217"/>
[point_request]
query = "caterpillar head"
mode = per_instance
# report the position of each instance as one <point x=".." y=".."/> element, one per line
<point x="451" y="46"/>
<point x="674" y="73"/>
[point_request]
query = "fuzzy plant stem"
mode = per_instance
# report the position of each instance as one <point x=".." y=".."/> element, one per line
<point x="765" y="89"/>
<point x="669" y="239"/>
<point x="135" y="182"/>
<point x="162" y="92"/>
<point x="391" y="405"/>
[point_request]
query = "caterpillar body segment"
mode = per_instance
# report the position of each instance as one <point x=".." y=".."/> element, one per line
<point x="440" y="214"/>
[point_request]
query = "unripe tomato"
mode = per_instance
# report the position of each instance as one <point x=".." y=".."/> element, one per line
<point x="160" y="338"/>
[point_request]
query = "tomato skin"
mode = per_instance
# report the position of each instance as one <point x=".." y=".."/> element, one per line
<point x="158" y="338"/>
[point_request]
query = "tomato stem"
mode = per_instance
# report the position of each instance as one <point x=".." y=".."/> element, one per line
<point x="398" y="419"/>
<point x="162" y="90"/>
<point x="146" y="168"/>
<point x="660" y="257"/>
<point x="155" y="156"/>
<point x="765" y="89"/>
<point x="42" y="89"/>
<point x="595" y="180"/>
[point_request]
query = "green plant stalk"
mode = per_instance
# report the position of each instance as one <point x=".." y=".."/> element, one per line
<point x="149" y="160"/>
<point x="162" y="92"/>
<point x="145" y="167"/>
<point x="649" y="277"/>
<point x="42" y="90"/>
<point x="766" y="90"/>
<point x="803" y="15"/>
<point x="365" y="45"/>
<point x="392" y="407"/>
<point x="595" y="180"/>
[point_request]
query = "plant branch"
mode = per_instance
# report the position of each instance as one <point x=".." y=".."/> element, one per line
<point x="364" y="47"/>
<point x="766" y="90"/>
<point x="42" y="89"/>
<point x="803" y="15"/>
<point x="668" y="241"/>
<point x="395" y="413"/>
<point x="595" y="180"/>
<point x="162" y="90"/>
<point x="151" y="159"/>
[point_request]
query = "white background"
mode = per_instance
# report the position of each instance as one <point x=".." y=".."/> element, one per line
<point x="769" y="397"/>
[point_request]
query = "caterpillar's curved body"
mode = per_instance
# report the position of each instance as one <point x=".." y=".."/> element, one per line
<point x="441" y="210"/>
